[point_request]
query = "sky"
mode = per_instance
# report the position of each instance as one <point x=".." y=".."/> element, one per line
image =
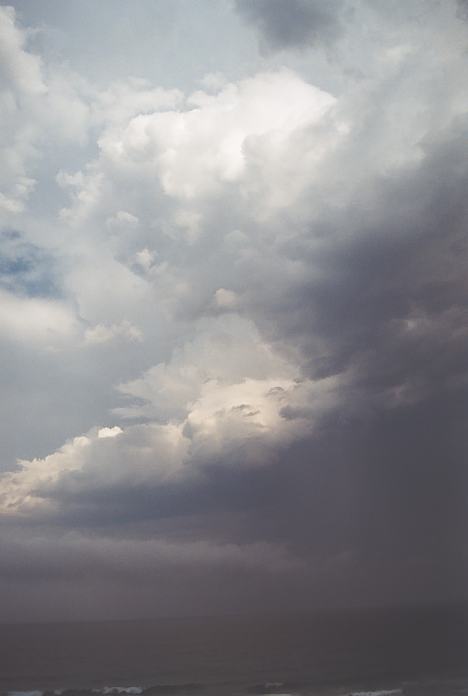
<point x="233" y="306"/>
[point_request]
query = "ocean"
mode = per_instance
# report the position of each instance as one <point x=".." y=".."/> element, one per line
<point x="398" y="652"/>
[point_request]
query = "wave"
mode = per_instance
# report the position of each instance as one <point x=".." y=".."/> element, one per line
<point x="275" y="688"/>
<point x="380" y="692"/>
<point x="120" y="690"/>
<point x="155" y="690"/>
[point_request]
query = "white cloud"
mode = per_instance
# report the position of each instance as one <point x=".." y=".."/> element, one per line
<point x="19" y="68"/>
<point x="124" y="99"/>
<point x="226" y="351"/>
<point x="101" y="459"/>
<point x="224" y="390"/>
<point x="109" y="432"/>
<point x="43" y="323"/>
<point x="145" y="259"/>
<point x="122" y="219"/>
<point x="17" y="196"/>
<point x="102" y="333"/>
<point x="35" y="104"/>
<point x="226" y="299"/>
<point x="197" y="151"/>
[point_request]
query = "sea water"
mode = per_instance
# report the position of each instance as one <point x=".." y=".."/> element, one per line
<point x="417" y="652"/>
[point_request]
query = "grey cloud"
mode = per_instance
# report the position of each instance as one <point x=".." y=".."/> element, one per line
<point x="294" y="24"/>
<point x="390" y="308"/>
<point x="462" y="9"/>
<point x="393" y="299"/>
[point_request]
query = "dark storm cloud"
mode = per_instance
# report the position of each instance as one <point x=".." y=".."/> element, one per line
<point x="293" y="23"/>
<point x="392" y="310"/>
<point x="374" y="505"/>
<point x="376" y="501"/>
<point x="383" y="483"/>
<point x="392" y="302"/>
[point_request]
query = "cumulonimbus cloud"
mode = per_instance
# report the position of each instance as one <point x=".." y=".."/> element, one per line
<point x="233" y="322"/>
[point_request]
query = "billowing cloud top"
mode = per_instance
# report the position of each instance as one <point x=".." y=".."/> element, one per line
<point x="233" y="306"/>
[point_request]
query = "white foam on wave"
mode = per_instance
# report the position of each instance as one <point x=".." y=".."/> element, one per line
<point x="130" y="690"/>
<point x="380" y="692"/>
<point x="274" y="685"/>
<point x="25" y="693"/>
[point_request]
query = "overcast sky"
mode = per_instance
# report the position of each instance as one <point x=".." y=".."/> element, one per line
<point x="233" y="305"/>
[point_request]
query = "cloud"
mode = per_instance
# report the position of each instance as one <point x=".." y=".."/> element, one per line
<point x="19" y="67"/>
<point x="225" y="299"/>
<point x="26" y="268"/>
<point x="463" y="9"/>
<point x="260" y="288"/>
<point x="108" y="557"/>
<point x="21" y="78"/>
<point x="44" y="323"/>
<point x="197" y="151"/>
<point x="296" y="24"/>
<point x="203" y="407"/>
<point x="95" y="461"/>
<point x="101" y="333"/>
<point x="35" y="105"/>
